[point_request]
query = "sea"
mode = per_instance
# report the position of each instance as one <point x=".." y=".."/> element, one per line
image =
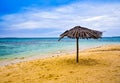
<point x="14" y="48"/>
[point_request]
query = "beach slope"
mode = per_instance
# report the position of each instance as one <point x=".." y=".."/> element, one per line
<point x="96" y="65"/>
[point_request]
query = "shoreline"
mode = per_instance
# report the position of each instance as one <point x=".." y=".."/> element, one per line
<point x="10" y="61"/>
<point x="30" y="58"/>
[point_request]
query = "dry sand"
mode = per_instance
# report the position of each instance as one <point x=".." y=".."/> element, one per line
<point x="96" y="65"/>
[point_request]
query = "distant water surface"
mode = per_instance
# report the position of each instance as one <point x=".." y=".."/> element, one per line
<point x="25" y="47"/>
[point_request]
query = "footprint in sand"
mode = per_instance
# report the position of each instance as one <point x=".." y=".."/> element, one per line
<point x="71" y="71"/>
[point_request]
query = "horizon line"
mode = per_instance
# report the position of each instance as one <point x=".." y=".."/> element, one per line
<point x="49" y="37"/>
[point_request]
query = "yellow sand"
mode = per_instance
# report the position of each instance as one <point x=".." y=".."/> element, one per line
<point x="97" y="65"/>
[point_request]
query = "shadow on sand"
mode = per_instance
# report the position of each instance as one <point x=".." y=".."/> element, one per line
<point x="83" y="62"/>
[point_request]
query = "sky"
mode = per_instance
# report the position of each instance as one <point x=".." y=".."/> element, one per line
<point x="50" y="18"/>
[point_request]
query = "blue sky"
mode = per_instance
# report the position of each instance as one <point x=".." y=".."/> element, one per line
<point x="49" y="18"/>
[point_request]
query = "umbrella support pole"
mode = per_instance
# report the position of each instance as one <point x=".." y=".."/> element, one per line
<point x="77" y="45"/>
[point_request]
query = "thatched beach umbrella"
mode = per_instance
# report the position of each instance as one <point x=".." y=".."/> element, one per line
<point x="82" y="33"/>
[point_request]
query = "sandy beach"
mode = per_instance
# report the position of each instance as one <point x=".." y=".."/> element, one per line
<point x="96" y="65"/>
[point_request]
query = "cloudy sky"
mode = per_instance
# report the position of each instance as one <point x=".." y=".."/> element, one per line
<point x="49" y="18"/>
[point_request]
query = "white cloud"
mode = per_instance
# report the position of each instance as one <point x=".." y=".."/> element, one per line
<point x="95" y="16"/>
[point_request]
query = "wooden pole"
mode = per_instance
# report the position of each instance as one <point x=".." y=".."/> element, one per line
<point x="77" y="45"/>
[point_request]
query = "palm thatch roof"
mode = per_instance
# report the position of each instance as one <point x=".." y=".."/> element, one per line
<point x="82" y="33"/>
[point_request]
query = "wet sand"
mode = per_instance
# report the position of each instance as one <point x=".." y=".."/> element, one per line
<point x="96" y="65"/>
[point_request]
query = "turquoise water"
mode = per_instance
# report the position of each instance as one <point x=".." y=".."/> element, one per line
<point x="25" y="47"/>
